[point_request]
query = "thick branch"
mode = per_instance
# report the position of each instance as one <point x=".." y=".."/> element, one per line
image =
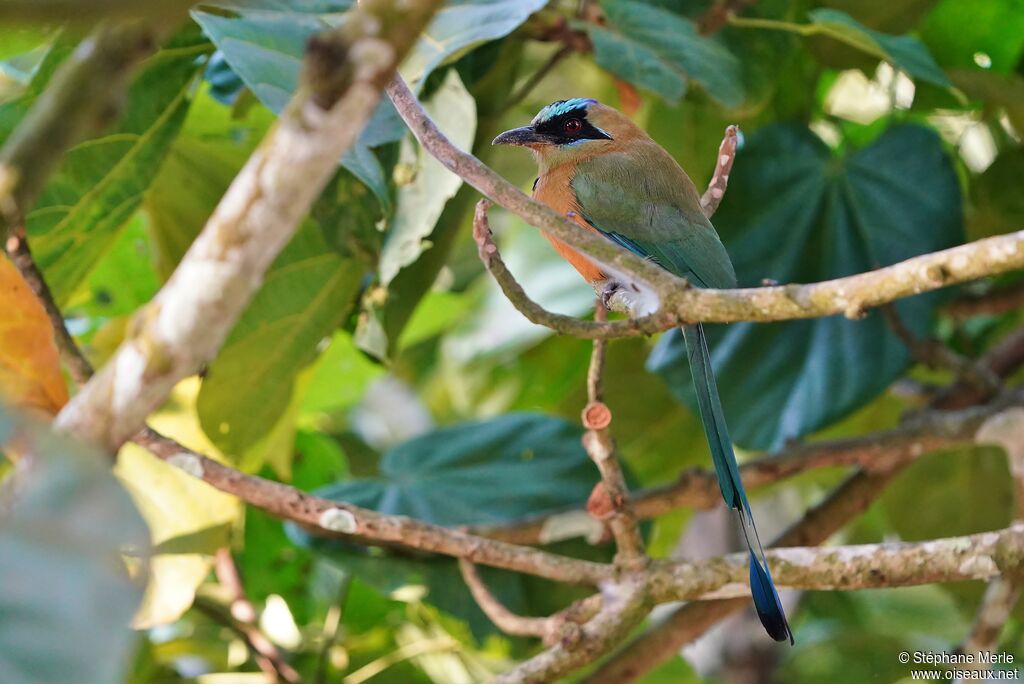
<point x="184" y="326"/>
<point x="866" y="566"/>
<point x="82" y="98"/>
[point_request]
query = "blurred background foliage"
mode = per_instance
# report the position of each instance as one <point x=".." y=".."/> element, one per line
<point x="380" y="365"/>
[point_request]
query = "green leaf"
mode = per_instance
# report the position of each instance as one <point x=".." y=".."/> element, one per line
<point x="660" y="51"/>
<point x="123" y="280"/>
<point x="265" y="47"/>
<point x="476" y="473"/>
<point x="794" y="213"/>
<point x="976" y="478"/>
<point x="101" y="182"/>
<point x="200" y="165"/>
<point x="507" y="468"/>
<point x="420" y="202"/>
<point x="65" y="596"/>
<point x="462" y="25"/>
<point x="305" y="296"/>
<point x="957" y="30"/>
<point x="339" y="377"/>
<point x="905" y="52"/>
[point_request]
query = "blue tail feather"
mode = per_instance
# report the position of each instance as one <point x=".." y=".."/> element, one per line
<point x="766" y="598"/>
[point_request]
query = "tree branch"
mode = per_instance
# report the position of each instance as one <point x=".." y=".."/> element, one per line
<point x="698" y="488"/>
<point x="340" y="519"/>
<point x="624" y="606"/>
<point x="865" y="566"/>
<point x="851" y="296"/>
<point x="82" y="98"/>
<point x="645" y="652"/>
<point x="184" y="326"/>
<point x="610" y="500"/>
<point x="562" y="625"/>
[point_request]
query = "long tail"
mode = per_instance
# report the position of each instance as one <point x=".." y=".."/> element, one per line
<point x="766" y="598"/>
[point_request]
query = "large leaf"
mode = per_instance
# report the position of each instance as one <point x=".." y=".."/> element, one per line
<point x="507" y="468"/>
<point x="306" y="294"/>
<point x="476" y="473"/>
<point x="658" y="50"/>
<point x="30" y="374"/>
<point x="794" y="213"/>
<point x="64" y="593"/>
<point x="421" y="201"/>
<point x="102" y="180"/>
<point x="462" y="25"/>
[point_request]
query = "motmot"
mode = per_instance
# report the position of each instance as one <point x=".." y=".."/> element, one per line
<point x="603" y="172"/>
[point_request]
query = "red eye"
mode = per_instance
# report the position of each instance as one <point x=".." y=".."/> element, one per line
<point x="572" y="126"/>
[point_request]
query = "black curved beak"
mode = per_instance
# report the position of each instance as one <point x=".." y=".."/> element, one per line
<point x="524" y="136"/>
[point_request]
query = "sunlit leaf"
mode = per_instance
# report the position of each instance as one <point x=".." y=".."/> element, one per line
<point x="420" y="202"/>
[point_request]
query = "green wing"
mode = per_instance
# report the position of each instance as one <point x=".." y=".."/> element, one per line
<point x="647" y="204"/>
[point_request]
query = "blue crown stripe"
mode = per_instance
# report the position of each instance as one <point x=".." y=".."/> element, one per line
<point x="556" y="109"/>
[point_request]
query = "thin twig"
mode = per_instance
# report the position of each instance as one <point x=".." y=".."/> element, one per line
<point x="537" y="76"/>
<point x="719" y="183"/>
<point x="502" y="617"/>
<point x="266" y="655"/>
<point x="998" y="301"/>
<point x="610" y="501"/>
<point x="18" y="250"/>
<point x="935" y="354"/>
<point x="242" y="610"/>
<point x="1005" y="357"/>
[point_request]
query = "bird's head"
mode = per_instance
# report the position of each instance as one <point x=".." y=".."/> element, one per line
<point x="566" y="130"/>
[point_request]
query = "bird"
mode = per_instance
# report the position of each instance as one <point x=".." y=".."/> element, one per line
<point x="603" y="172"/>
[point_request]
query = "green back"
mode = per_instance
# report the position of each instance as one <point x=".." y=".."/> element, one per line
<point x="645" y="202"/>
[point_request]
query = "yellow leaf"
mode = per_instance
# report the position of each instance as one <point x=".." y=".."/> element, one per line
<point x="188" y="519"/>
<point x="30" y="374"/>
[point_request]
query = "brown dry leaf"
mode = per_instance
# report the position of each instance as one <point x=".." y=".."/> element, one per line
<point x="629" y="97"/>
<point x="30" y="374"/>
